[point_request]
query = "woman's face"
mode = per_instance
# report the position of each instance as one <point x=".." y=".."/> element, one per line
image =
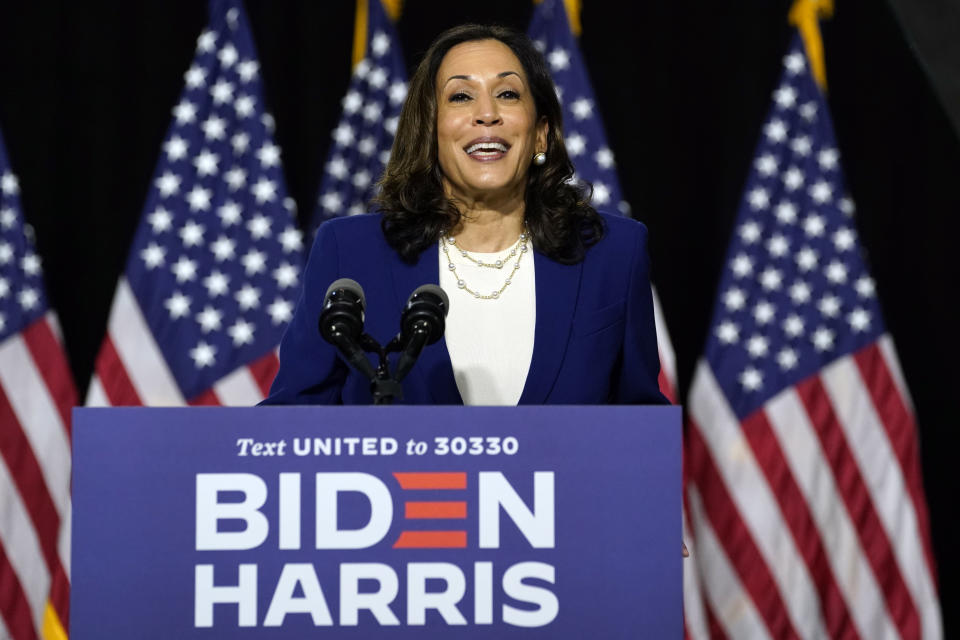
<point x="487" y="126"/>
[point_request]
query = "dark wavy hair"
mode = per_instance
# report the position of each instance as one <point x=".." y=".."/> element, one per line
<point x="415" y="209"/>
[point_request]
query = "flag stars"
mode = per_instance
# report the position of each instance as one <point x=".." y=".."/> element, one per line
<point x="229" y="213"/>
<point x="214" y="128"/>
<point x="771" y="279"/>
<point x="764" y="312"/>
<point x="6" y="252"/>
<point x="241" y="332"/>
<point x="757" y="346"/>
<point x="814" y="225"/>
<point x="367" y="147"/>
<point x="184" y="269"/>
<point x="244" y="106"/>
<point x="209" y="319"/>
<point x="758" y="199"/>
<point x="742" y="265"/>
<point x="28" y="298"/>
<point x="390" y="124"/>
<point x="380" y="44"/>
<point x="836" y="272"/>
<point x="240" y="142"/>
<point x="331" y="201"/>
<point x="248" y="297"/>
<point x="751" y="379"/>
<point x="286" y="275"/>
<point x="601" y="193"/>
<point x="807" y="259"/>
<point x="776" y="131"/>
<point x="800" y="292"/>
<point x="749" y="232"/>
<point x="192" y="234"/>
<point x="362" y="69"/>
<point x="377" y="78"/>
<point x="734" y="299"/>
<point x="794" y="63"/>
<point x="793" y="179"/>
<point x="558" y="59"/>
<point x="829" y="306"/>
<point x="859" y="320"/>
<point x="778" y="246"/>
<point x="291" y="239"/>
<point x="821" y="192"/>
<point x="787" y="359"/>
<point x="236" y="178"/>
<point x="178" y="305"/>
<point x="372" y="112"/>
<point x="352" y="102"/>
<point x="207" y="41"/>
<point x="206" y="163"/>
<point x="268" y="155"/>
<point x="247" y="70"/>
<point x="259" y="227"/>
<point x="4" y="288"/>
<point x="254" y="261"/>
<point x="185" y="112"/>
<point x="228" y="56"/>
<point x="728" y="332"/>
<point x="843" y="239"/>
<point x="195" y="77"/>
<point x="204" y="355"/>
<point x="786" y="212"/>
<point x="846" y="206"/>
<point x="766" y="165"/>
<point x="865" y="287"/>
<point x="793" y="326"/>
<point x="222" y="92"/>
<point x="397" y="93"/>
<point x="217" y="283"/>
<point x="785" y="96"/>
<point x="161" y="220"/>
<point x="199" y="198"/>
<point x="808" y="111"/>
<point x="280" y="311"/>
<point x="30" y="264"/>
<point x="801" y="146"/>
<point x="264" y="190"/>
<point x="361" y="179"/>
<point x="7" y="218"/>
<point x="168" y="184"/>
<point x="827" y="159"/>
<point x="223" y="248"/>
<point x="604" y="158"/>
<point x="823" y="339"/>
<point x="176" y="148"/>
<point x="343" y="135"/>
<point x="337" y="167"/>
<point x="582" y="108"/>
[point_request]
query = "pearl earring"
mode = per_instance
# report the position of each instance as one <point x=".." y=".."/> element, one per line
<point x="540" y="159"/>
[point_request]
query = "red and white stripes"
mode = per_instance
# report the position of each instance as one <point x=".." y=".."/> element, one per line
<point x="36" y="396"/>
<point x="808" y="515"/>
<point x="131" y="370"/>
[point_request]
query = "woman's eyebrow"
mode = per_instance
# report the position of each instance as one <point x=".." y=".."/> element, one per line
<point x="502" y="74"/>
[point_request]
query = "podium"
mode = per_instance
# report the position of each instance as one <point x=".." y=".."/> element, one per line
<point x="377" y="522"/>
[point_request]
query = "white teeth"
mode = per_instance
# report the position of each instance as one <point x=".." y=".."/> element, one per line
<point x="488" y="147"/>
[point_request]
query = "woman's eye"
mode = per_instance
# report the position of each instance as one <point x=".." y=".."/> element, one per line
<point x="459" y="96"/>
<point x="509" y="94"/>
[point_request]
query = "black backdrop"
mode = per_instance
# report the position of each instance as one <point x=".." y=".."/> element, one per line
<point x="86" y="91"/>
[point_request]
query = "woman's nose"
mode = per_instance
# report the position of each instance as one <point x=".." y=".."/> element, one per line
<point x="486" y="111"/>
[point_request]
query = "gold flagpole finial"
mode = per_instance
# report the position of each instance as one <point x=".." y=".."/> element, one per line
<point x="573" y="15"/>
<point x="393" y="9"/>
<point x="805" y="15"/>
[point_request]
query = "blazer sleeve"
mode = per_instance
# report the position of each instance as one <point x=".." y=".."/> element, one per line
<point x="310" y="370"/>
<point x="637" y="382"/>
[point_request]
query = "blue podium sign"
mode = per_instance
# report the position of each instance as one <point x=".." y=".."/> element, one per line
<point x="368" y="522"/>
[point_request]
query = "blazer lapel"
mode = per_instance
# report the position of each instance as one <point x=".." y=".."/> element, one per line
<point x="433" y="367"/>
<point x="557" y="288"/>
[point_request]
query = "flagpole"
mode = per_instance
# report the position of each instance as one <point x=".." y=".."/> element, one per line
<point x="805" y="15"/>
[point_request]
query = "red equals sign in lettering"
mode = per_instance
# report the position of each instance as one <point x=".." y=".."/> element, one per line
<point x="433" y="510"/>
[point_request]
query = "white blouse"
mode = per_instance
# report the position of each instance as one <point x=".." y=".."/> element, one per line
<point x="490" y="341"/>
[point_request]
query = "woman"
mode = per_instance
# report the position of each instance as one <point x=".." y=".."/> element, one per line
<point x="549" y="301"/>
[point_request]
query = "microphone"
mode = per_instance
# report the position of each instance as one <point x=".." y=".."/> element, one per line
<point x="341" y="322"/>
<point x="421" y="323"/>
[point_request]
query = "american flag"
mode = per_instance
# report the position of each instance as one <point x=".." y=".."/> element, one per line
<point x="806" y="494"/>
<point x="360" y="145"/>
<point x="36" y="395"/>
<point x="214" y="271"/>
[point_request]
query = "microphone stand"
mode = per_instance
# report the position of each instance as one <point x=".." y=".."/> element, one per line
<point x="383" y="387"/>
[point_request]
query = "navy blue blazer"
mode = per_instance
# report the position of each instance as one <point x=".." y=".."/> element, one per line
<point x="595" y="340"/>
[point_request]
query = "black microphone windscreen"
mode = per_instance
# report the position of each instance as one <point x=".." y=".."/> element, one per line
<point x="349" y="285"/>
<point x="435" y="290"/>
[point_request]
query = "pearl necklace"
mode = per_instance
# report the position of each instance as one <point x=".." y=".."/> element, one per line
<point x="519" y="247"/>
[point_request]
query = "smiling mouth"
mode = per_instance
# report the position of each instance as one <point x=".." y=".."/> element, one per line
<point x="487" y="149"/>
